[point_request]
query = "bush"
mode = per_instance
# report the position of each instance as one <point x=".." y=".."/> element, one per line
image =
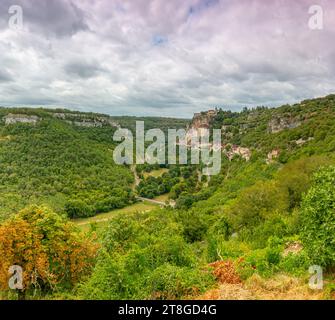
<point x="194" y="225"/>
<point x="296" y="264"/>
<point x="265" y="261"/>
<point x="222" y="227"/>
<point x="185" y="201"/>
<point x="119" y="233"/>
<point x="109" y="281"/>
<point x="259" y="236"/>
<point x="171" y="250"/>
<point x="171" y="282"/>
<point x="52" y="252"/>
<point x="78" y="209"/>
<point x="256" y="204"/>
<point x="219" y="249"/>
<point x="318" y="219"/>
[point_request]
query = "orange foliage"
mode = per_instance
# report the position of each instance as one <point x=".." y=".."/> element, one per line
<point x="20" y="245"/>
<point x="225" y="272"/>
<point x="48" y="248"/>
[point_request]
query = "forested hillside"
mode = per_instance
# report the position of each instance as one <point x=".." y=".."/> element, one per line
<point x="309" y="124"/>
<point x="64" y="159"/>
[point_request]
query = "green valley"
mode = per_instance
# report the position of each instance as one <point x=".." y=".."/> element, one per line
<point x="251" y="232"/>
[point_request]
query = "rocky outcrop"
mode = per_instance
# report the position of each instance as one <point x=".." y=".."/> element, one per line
<point x="301" y="141"/>
<point x="20" y="118"/>
<point x="82" y="120"/>
<point x="200" y="123"/>
<point x="279" y="124"/>
<point x="59" y="115"/>
<point x="274" y="154"/>
<point x="233" y="150"/>
<point x="292" y="248"/>
<point x="203" y="119"/>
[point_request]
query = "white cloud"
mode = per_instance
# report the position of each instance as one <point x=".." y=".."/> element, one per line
<point x="168" y="58"/>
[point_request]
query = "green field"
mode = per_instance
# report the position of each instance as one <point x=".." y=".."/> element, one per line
<point x="162" y="198"/>
<point x="102" y="219"/>
<point x="155" y="173"/>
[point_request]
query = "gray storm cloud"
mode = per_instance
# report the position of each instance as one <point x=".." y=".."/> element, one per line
<point x="83" y="69"/>
<point x="5" y="76"/>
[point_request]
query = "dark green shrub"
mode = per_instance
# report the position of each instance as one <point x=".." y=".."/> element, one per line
<point x="195" y="225"/>
<point x="78" y="209"/>
<point x="222" y="227"/>
<point x="296" y="264"/>
<point x="219" y="249"/>
<point x="171" y="282"/>
<point x="318" y="219"/>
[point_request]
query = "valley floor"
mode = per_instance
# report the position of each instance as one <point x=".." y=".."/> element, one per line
<point x="103" y="218"/>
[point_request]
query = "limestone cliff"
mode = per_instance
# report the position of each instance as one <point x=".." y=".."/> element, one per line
<point x="82" y="120"/>
<point x="279" y="124"/>
<point x="200" y="122"/>
<point x="20" y="118"/>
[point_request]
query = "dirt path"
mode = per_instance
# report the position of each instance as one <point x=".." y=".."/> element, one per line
<point x="152" y="201"/>
<point x="137" y="179"/>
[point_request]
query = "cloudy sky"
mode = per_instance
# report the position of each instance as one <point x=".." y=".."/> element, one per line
<point x="165" y="57"/>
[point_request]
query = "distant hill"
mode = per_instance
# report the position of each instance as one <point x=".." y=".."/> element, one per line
<point x="64" y="159"/>
<point x="87" y="119"/>
<point x="303" y="128"/>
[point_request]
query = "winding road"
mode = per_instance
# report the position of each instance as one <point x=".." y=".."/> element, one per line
<point x="152" y="201"/>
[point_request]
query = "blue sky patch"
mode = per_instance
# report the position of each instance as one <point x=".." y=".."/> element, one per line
<point x="158" y="40"/>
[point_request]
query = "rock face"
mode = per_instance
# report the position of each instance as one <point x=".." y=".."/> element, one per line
<point x="245" y="153"/>
<point x="301" y="141"/>
<point x="200" y="123"/>
<point x="20" y="118"/>
<point x="59" y="115"/>
<point x="292" y="248"/>
<point x="81" y="120"/>
<point x="274" y="154"/>
<point x="280" y="124"/>
<point x="203" y="119"/>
